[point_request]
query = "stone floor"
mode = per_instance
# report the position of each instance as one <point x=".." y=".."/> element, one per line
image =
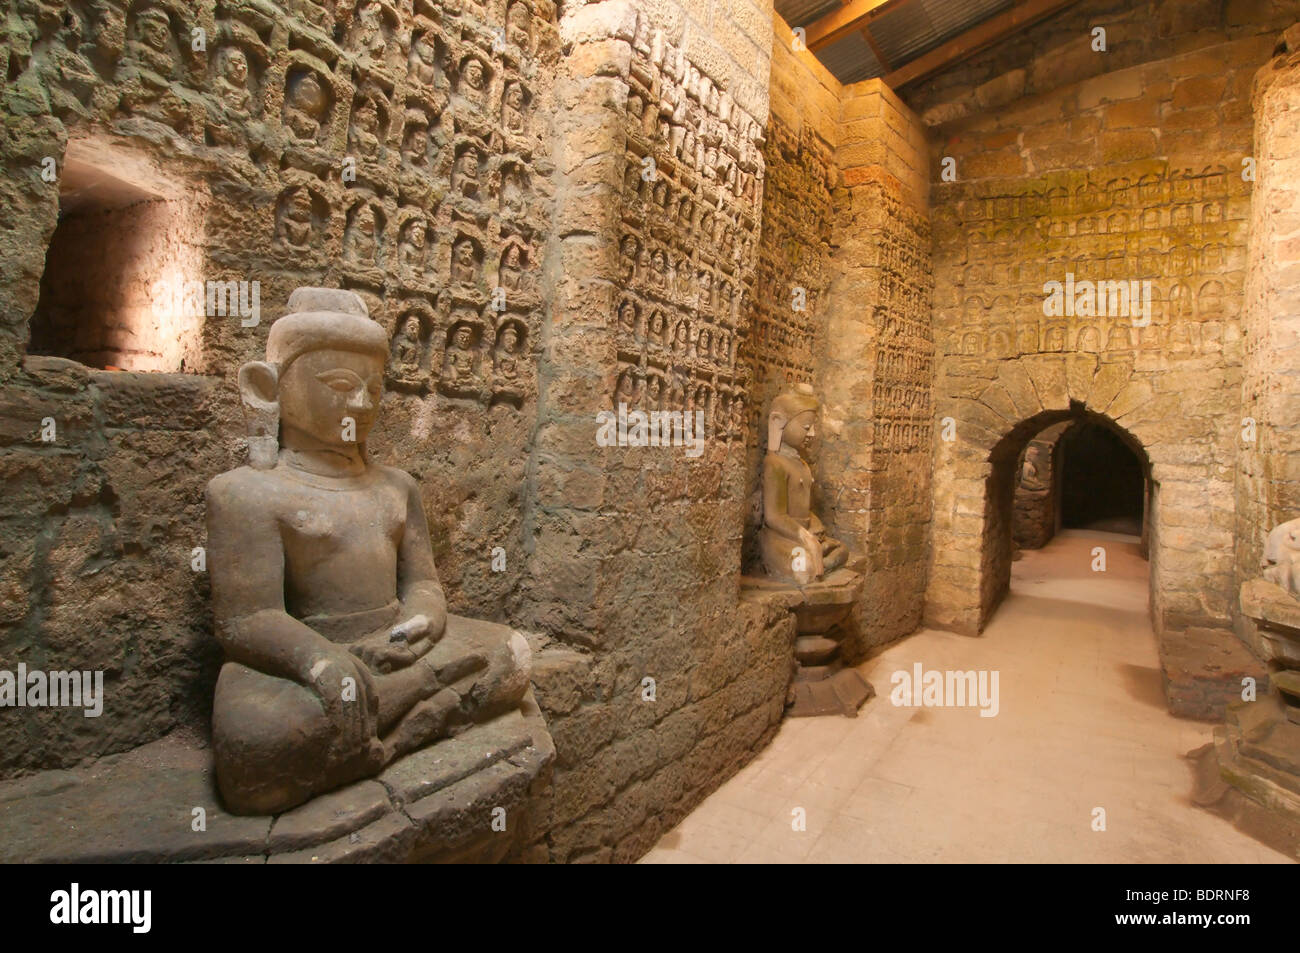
<point x="1081" y="725"/>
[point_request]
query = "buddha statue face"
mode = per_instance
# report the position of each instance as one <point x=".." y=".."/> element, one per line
<point x="462" y="339"/>
<point x="367" y="117"/>
<point x="424" y="52"/>
<point x="474" y="78"/>
<point x="792" y="425"/>
<point x="308" y="96"/>
<point x="234" y="66"/>
<point x="417" y="143"/>
<point x="152" y="30"/>
<point x="322" y="389"/>
<point x="509" y="340"/>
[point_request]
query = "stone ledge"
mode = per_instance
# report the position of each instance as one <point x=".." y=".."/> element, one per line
<point x="1202" y="670"/>
<point x="139" y="807"/>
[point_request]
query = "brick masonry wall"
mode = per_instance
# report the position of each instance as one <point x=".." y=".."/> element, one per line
<point x="877" y="363"/>
<point x="659" y="682"/>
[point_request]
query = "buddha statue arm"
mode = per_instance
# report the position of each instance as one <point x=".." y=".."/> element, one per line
<point x="417" y="576"/>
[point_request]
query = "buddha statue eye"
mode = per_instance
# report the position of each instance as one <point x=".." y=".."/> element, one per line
<point x="341" y="379"/>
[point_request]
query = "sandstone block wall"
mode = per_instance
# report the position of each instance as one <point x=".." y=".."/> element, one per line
<point x="794" y="270"/>
<point x="660" y="682"/>
<point x="1268" y="475"/>
<point x="877" y="363"/>
<point x="1117" y="165"/>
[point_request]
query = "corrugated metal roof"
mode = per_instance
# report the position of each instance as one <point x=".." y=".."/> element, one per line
<point x="803" y="12"/>
<point x="850" y="59"/>
<point x="902" y="32"/>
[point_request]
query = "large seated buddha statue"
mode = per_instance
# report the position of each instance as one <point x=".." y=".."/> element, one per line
<point x="340" y="655"/>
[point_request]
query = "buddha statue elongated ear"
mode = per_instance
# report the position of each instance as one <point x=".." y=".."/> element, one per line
<point x="776" y="421"/>
<point x="258" y="386"/>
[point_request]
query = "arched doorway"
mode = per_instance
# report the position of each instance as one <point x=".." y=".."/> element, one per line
<point x="1079" y="475"/>
<point x="1098" y="477"/>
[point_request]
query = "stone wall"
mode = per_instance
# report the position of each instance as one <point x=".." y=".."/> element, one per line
<point x="876" y="365"/>
<point x="1123" y="165"/>
<point x="1268" y="477"/>
<point x="394" y="152"/>
<point x="660" y="683"/>
<point x="1035" y="517"/>
<point x="791" y="298"/>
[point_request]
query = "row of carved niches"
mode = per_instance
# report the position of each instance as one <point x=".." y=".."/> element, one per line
<point x="679" y="114"/>
<point x="652" y="386"/>
<point x="378" y="239"/>
<point x="902" y="435"/>
<point x="350" y="77"/>
<point x="1066" y="196"/>
<point x="1157" y="256"/>
<point x="1200" y="300"/>
<point x="686" y="279"/>
<point x="894" y="363"/>
<point x="905" y="398"/>
<point x="774" y="335"/>
<point x="695" y="216"/>
<point x="467" y="354"/>
<point x="664" y="333"/>
<point x="1005" y="340"/>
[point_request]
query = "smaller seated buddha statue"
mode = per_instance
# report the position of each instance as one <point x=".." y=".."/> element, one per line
<point x="792" y="540"/>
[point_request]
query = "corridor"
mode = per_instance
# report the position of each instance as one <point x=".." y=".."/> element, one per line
<point x="1081" y="725"/>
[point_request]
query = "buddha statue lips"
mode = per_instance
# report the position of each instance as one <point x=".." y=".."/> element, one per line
<point x="340" y="655"/>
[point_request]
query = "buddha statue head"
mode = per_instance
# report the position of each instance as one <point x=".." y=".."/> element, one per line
<point x="792" y="422"/>
<point x="320" y="385"/>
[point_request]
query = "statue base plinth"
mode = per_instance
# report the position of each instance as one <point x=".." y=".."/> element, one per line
<point x="158" y="804"/>
<point x="822" y="684"/>
<point x="1250" y="774"/>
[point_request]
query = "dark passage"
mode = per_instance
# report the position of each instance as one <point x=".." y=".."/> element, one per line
<point x="1102" y="483"/>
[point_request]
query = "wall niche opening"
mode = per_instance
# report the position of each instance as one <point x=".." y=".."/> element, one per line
<point x="124" y="253"/>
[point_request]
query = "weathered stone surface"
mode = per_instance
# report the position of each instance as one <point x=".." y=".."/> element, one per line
<point x="424" y="772"/>
<point x="138" y="807"/>
<point x="329" y="816"/>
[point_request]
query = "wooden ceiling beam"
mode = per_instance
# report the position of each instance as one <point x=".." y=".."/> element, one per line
<point x="972" y="41"/>
<point x="837" y="24"/>
<point x="875" y="48"/>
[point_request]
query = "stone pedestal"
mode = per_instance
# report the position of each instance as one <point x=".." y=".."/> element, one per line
<point x="1251" y="773"/>
<point x="822" y="684"/>
<point x="159" y="804"/>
